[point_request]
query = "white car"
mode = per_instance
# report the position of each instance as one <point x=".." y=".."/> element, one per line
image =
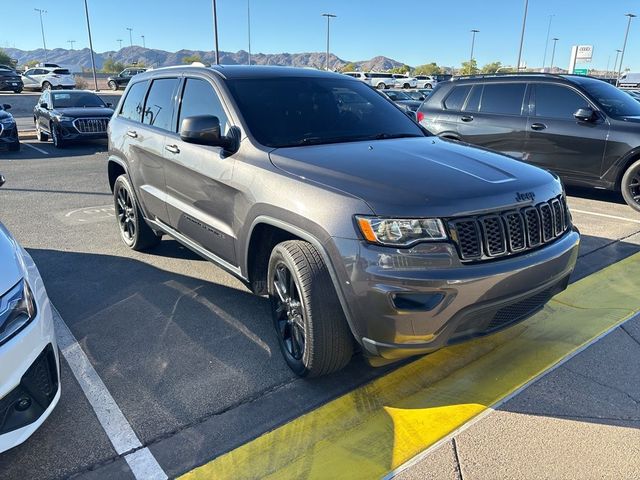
<point x="403" y="81"/>
<point x="29" y="363"/>
<point x="45" y="78"/>
<point x="426" y="81"/>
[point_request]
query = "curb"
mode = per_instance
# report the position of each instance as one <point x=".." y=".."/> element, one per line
<point x="28" y="135"/>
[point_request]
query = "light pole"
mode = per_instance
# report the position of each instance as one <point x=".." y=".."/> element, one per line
<point x="93" y="60"/>
<point x="329" y="17"/>
<point x="473" y="43"/>
<point x="119" y="40"/>
<point x="553" y="52"/>
<point x="130" y="36"/>
<point x="44" y="43"/>
<point x="215" y="30"/>
<point x="524" y="24"/>
<point x="71" y="42"/>
<point x="615" y="64"/>
<point x="144" y="45"/>
<point x="249" y="27"/>
<point x="624" y="46"/>
<point x="546" y="44"/>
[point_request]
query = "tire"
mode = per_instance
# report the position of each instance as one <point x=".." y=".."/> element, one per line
<point x="406" y="85"/>
<point x="58" y="142"/>
<point x="306" y="311"/>
<point x="428" y="85"/>
<point x="14" y="147"/>
<point x="381" y="86"/>
<point x="134" y="231"/>
<point x="113" y="85"/>
<point x="630" y="185"/>
<point x="40" y="136"/>
<point x="46" y="86"/>
<point x="18" y="91"/>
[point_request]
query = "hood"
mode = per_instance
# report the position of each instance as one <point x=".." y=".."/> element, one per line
<point x="80" y="112"/>
<point x="423" y="176"/>
<point x="11" y="271"/>
<point x="631" y="119"/>
<point x="4" y="114"/>
<point x="8" y="74"/>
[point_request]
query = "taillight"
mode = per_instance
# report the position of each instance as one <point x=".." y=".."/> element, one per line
<point x="420" y="116"/>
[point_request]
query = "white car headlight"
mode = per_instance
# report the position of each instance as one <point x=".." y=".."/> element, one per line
<point x="62" y="118"/>
<point x="17" y="309"/>
<point x="401" y="232"/>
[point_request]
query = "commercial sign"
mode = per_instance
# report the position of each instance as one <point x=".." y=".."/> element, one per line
<point x="584" y="53"/>
<point x="580" y="71"/>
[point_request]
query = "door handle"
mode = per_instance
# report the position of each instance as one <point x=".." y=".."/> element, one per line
<point x="467" y="118"/>
<point x="538" y="126"/>
<point x="132" y="133"/>
<point x="172" y="148"/>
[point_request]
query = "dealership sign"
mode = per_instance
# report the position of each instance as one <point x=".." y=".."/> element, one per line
<point x="584" y="53"/>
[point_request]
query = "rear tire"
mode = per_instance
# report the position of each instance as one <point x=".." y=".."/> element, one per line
<point x="428" y="85"/>
<point x="406" y="85"/>
<point x="381" y="86"/>
<point x="18" y="91"/>
<point x="134" y="231"/>
<point x="113" y="85"/>
<point x="630" y="186"/>
<point x="306" y="311"/>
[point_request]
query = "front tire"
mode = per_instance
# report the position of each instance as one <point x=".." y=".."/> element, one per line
<point x="134" y="231"/>
<point x="46" y="86"/>
<point x="312" y="330"/>
<point x="113" y="85"/>
<point x="630" y="186"/>
<point x="40" y="136"/>
<point x="428" y="85"/>
<point x="18" y="91"/>
<point x="406" y="85"/>
<point x="56" y="136"/>
<point x="382" y="86"/>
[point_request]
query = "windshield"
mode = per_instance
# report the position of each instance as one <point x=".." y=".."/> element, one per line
<point x="398" y="96"/>
<point x="613" y="101"/>
<point x="286" y="112"/>
<point x="75" y="99"/>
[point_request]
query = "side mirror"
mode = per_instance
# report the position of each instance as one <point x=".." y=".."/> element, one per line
<point x="6" y="106"/>
<point x="44" y="105"/>
<point x="422" y="98"/>
<point x="204" y="130"/>
<point x="585" y="114"/>
<point x="2" y="180"/>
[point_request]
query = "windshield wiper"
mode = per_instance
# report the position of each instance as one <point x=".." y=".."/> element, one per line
<point x="385" y="136"/>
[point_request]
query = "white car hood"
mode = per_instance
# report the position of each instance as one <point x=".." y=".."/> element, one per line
<point x="10" y="261"/>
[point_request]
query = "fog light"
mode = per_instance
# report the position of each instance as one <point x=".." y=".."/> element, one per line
<point x="23" y="404"/>
<point x="417" y="301"/>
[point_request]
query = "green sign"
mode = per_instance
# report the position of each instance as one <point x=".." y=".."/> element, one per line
<point x="580" y="71"/>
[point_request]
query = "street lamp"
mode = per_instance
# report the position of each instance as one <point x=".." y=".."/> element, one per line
<point x="473" y="42"/>
<point x="546" y="44"/>
<point x="624" y="46"/>
<point x="130" y="36"/>
<point x="215" y="30"/>
<point x="119" y="40"/>
<point x="553" y="52"/>
<point x="144" y="45"/>
<point x="524" y="24"/>
<point x="93" y="60"/>
<point x="71" y="42"/>
<point x="615" y="64"/>
<point x="249" y="27"/>
<point x="329" y="17"/>
<point x="44" y="43"/>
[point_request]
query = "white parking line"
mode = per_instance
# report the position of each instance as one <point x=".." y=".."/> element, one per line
<point x="605" y="215"/>
<point x="141" y="461"/>
<point x="35" y="148"/>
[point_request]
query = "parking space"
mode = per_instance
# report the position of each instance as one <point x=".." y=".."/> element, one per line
<point x="183" y="350"/>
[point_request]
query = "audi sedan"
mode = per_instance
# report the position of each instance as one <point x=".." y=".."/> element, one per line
<point x="68" y="116"/>
<point x="29" y="362"/>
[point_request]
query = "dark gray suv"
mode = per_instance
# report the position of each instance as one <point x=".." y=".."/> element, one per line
<point x="584" y="129"/>
<point x="363" y="230"/>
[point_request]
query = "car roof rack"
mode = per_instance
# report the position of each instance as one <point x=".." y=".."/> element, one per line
<point x="521" y="74"/>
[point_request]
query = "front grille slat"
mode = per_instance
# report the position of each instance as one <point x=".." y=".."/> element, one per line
<point x="507" y="233"/>
<point x="91" y="125"/>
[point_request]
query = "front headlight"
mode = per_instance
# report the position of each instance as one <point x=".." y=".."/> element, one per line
<point x="401" y="232"/>
<point x="65" y="119"/>
<point x="7" y="121"/>
<point x="17" y="309"/>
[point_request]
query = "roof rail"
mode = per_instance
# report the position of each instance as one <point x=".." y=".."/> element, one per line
<point x="507" y="74"/>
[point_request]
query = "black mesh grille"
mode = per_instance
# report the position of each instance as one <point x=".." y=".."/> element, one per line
<point x="506" y="233"/>
<point x="91" y="125"/>
<point x="520" y="310"/>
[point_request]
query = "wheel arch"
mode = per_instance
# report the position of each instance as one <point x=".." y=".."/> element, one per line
<point x="115" y="168"/>
<point x="621" y="166"/>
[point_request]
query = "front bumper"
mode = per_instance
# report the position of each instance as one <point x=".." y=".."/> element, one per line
<point x="8" y="134"/>
<point x="405" y="302"/>
<point x="11" y="85"/>
<point x="69" y="132"/>
<point x="29" y="371"/>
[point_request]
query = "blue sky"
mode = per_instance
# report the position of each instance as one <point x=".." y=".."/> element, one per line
<point x="434" y="31"/>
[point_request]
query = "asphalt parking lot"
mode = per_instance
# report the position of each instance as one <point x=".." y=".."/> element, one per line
<point x="183" y="365"/>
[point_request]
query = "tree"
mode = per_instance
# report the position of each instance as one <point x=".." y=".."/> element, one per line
<point x="493" y="67"/>
<point x="469" y="68"/>
<point x="32" y="63"/>
<point x="349" y="67"/>
<point x="427" y="69"/>
<point x="403" y="70"/>
<point x="111" y="66"/>
<point x="191" y="59"/>
<point x="5" y="59"/>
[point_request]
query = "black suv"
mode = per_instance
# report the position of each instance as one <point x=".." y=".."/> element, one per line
<point x="319" y="192"/>
<point x="10" y="80"/>
<point x="122" y="79"/>
<point x="582" y="128"/>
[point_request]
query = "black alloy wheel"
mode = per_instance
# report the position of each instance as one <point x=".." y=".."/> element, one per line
<point x="288" y="312"/>
<point x="125" y="211"/>
<point x="630" y="186"/>
<point x="134" y="231"/>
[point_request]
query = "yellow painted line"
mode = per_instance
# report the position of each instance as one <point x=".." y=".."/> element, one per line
<point x="376" y="428"/>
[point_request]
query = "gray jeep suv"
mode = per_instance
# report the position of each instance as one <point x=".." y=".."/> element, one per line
<point x="363" y="230"/>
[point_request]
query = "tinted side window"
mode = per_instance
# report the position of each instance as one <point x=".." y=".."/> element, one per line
<point x="503" y="98"/>
<point x="199" y="98"/>
<point x="133" y="103"/>
<point x="456" y="98"/>
<point x="556" y="101"/>
<point x="158" y="109"/>
<point x="473" y="102"/>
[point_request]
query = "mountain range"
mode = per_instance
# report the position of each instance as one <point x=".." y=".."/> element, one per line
<point x="162" y="58"/>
